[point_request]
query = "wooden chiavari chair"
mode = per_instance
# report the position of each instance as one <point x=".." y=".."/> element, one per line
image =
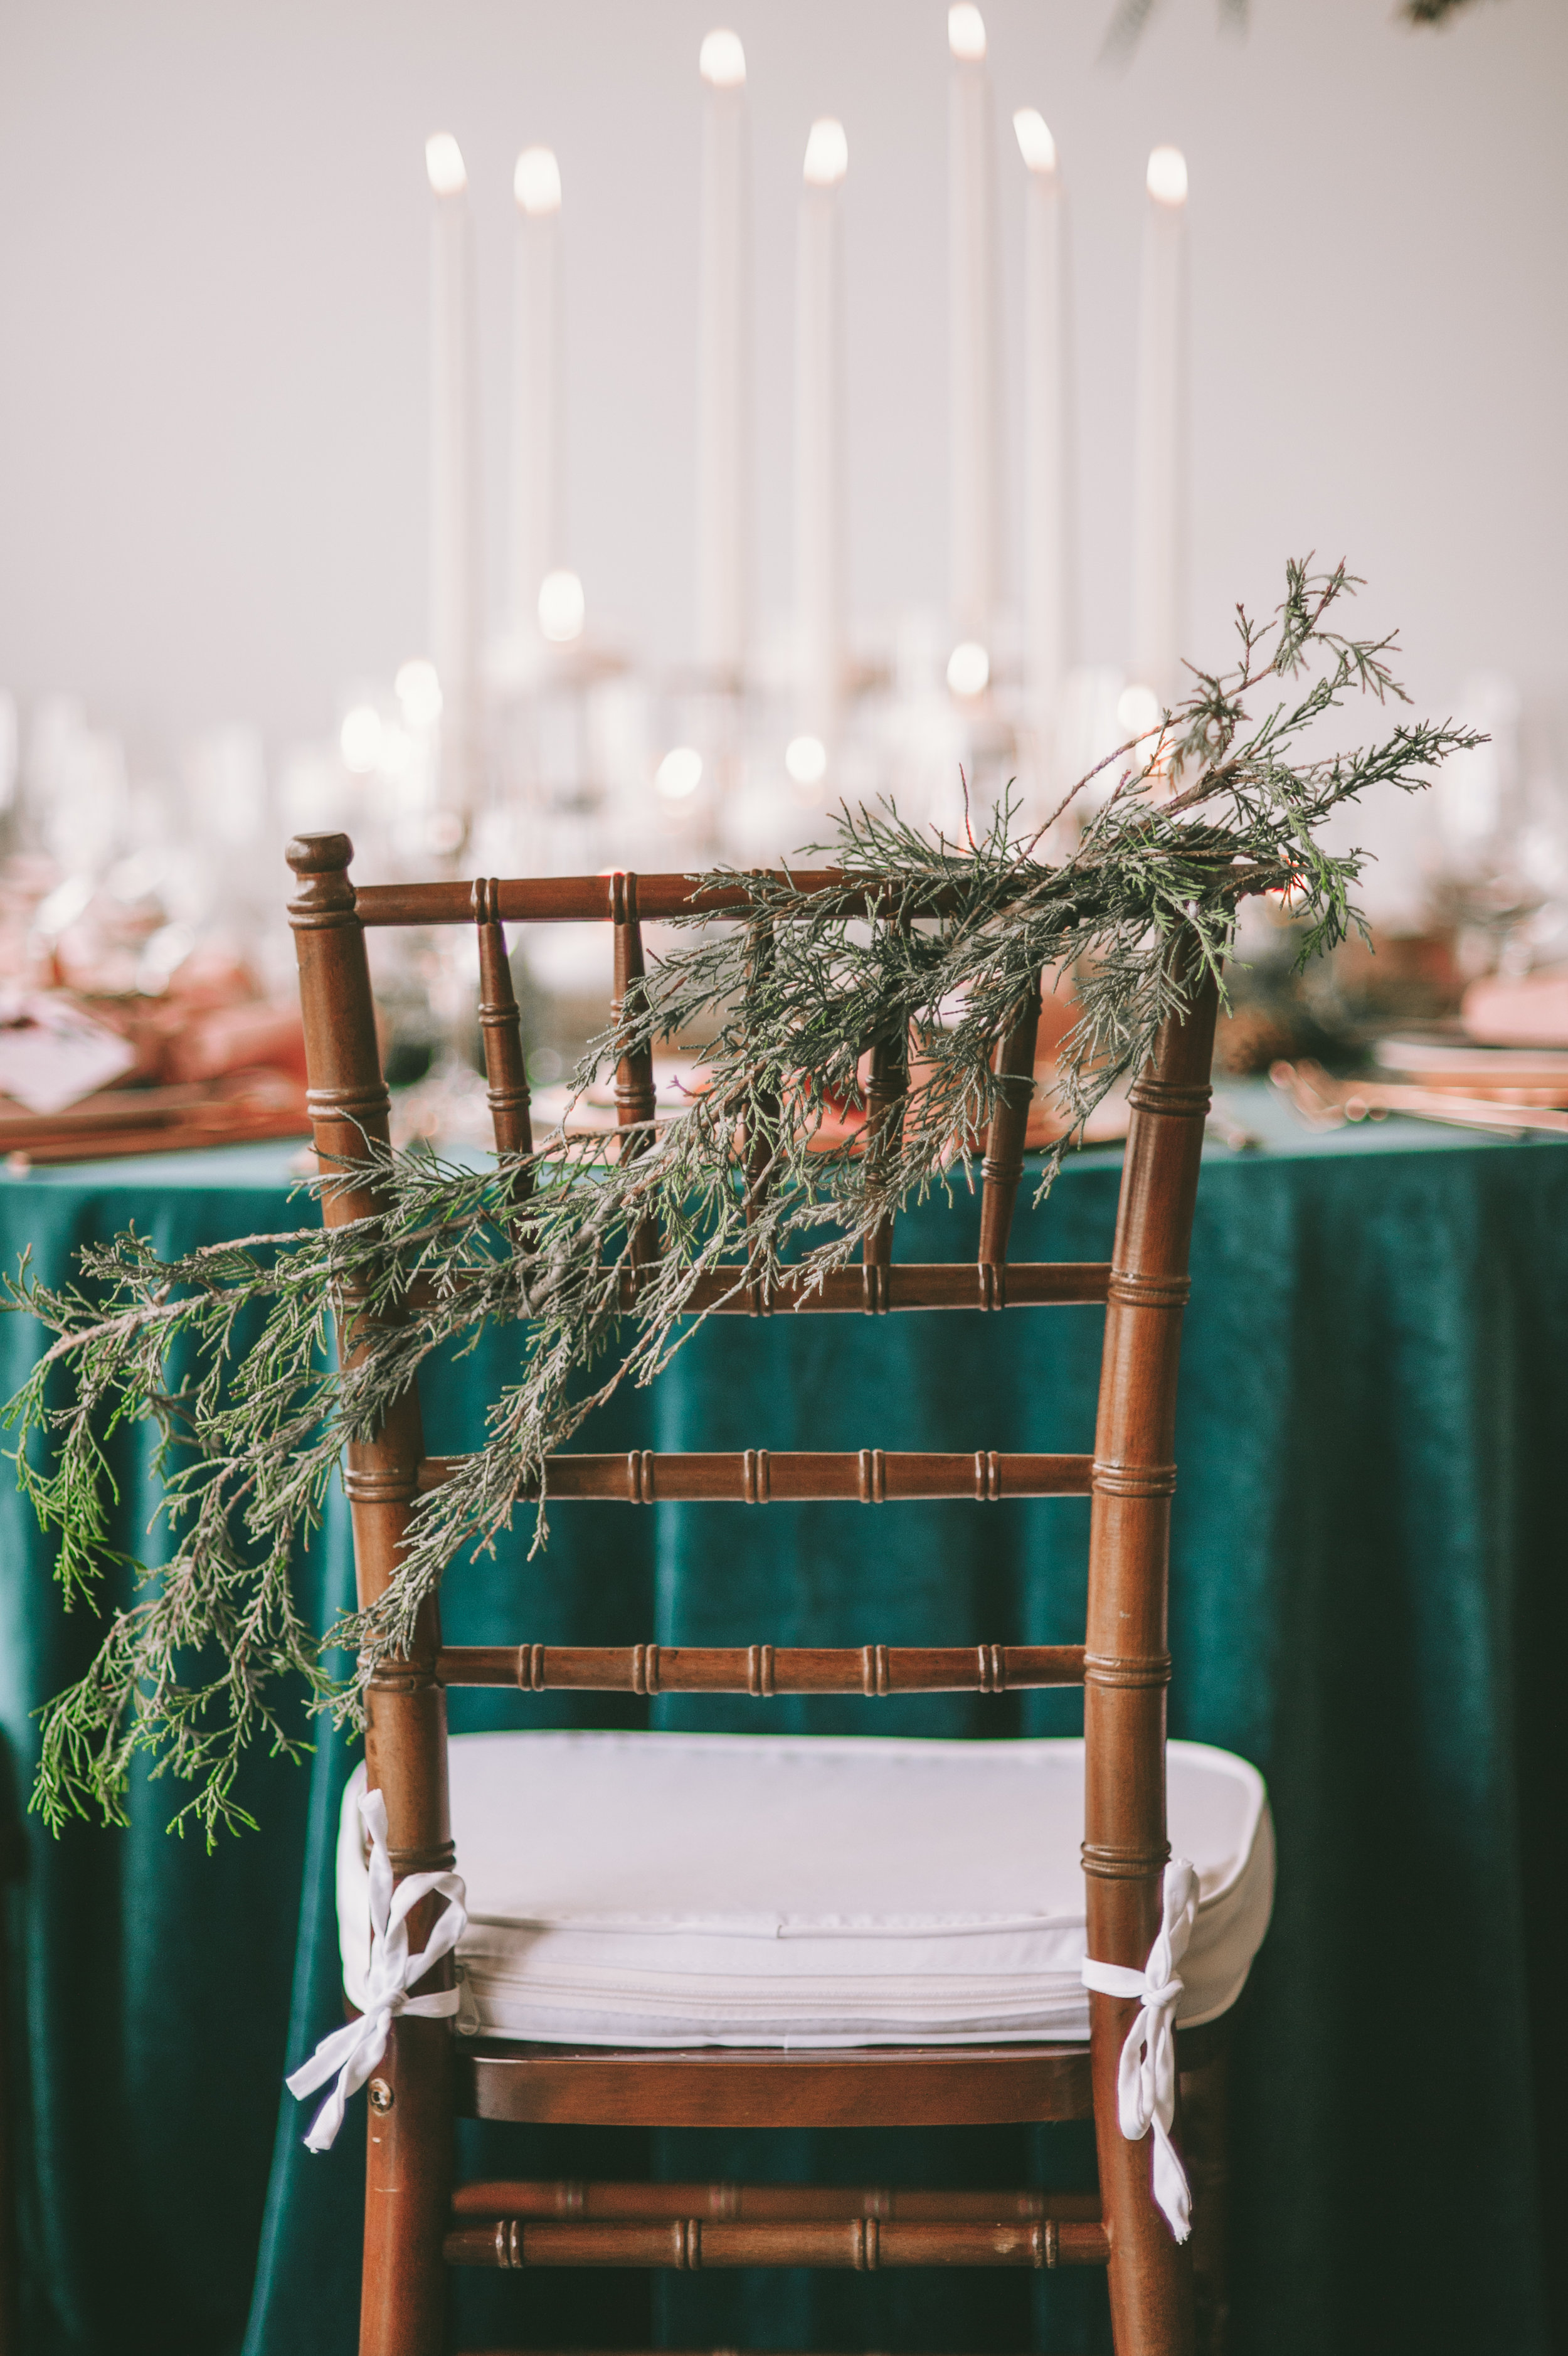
<point x="416" y="2226"/>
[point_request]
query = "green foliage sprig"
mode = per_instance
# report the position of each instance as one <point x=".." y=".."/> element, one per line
<point x="225" y="1349"/>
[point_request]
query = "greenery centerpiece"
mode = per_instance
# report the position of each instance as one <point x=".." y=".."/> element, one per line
<point x="227" y="1352"/>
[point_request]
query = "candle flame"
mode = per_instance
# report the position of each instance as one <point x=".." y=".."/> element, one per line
<point x="806" y="758"/>
<point x="418" y="692"/>
<point x="1137" y="710"/>
<point x="679" y="773"/>
<point x="443" y="163"/>
<point x="360" y="739"/>
<point x="966" y="33"/>
<point x="535" y="183"/>
<point x="1036" y="144"/>
<point x="968" y="669"/>
<point x="560" y="607"/>
<point x="1167" y="175"/>
<point x="826" y="152"/>
<point x="723" y="61"/>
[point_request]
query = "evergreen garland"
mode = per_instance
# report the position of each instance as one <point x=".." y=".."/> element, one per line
<point x="227" y="1353"/>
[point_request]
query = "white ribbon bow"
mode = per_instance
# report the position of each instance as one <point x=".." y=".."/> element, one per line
<point x="1145" y="2078"/>
<point x="354" y="2050"/>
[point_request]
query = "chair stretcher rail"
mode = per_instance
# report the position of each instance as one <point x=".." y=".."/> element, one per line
<point x="762" y="1670"/>
<point x="761" y="1476"/>
<point x="907" y="1284"/>
<point x="861" y="2244"/>
<point x="572" y="2197"/>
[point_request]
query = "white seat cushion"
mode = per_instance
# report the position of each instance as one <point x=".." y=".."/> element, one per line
<point x="747" y="1890"/>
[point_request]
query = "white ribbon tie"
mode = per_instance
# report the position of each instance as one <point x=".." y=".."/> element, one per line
<point x="354" y="2050"/>
<point x="1145" y="2078"/>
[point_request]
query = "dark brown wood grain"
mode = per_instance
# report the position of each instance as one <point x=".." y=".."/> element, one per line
<point x="634" y="1100"/>
<point x="885" y="2086"/>
<point x="910" y="1284"/>
<point x="500" y="1028"/>
<point x="887" y="1099"/>
<point x="580" y="899"/>
<point x="409" y="2170"/>
<point x="760" y="1476"/>
<point x="1126" y="1663"/>
<point x="763" y="1670"/>
<point x="430" y="2075"/>
<point x="569" y="2197"/>
<point x="1003" y="1165"/>
<point x="759" y="1139"/>
<point x="859" y="2245"/>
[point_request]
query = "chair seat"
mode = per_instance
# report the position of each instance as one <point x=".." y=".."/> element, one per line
<point x="674" y="1890"/>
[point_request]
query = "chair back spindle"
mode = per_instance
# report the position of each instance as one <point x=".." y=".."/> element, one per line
<point x="1003" y="1165"/>
<point x="634" y="1065"/>
<point x="887" y="1094"/>
<point x="500" y="1028"/>
<point x="759" y="1143"/>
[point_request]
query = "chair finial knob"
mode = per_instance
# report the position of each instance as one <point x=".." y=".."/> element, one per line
<point x="319" y="854"/>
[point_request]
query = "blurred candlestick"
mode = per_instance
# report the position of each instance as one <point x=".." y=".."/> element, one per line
<point x="972" y="330"/>
<point x="1159" y="518"/>
<point x="1047" y="584"/>
<point x="455" y="595"/>
<point x="819" y="470"/>
<point x="538" y="408"/>
<point x="724" y="376"/>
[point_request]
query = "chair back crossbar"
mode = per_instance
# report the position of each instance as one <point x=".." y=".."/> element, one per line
<point x="415" y="2224"/>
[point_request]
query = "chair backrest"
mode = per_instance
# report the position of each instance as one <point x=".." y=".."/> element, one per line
<point x="1124" y="1665"/>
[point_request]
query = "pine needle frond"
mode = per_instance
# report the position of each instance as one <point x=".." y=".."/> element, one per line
<point x="227" y="1352"/>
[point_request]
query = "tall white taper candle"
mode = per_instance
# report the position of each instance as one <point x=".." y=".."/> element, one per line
<point x="1047" y="618"/>
<point x="972" y="332"/>
<point x="455" y="559"/>
<point x="538" y="500"/>
<point x="724" y="371"/>
<point x="1159" y="518"/>
<point x="819" y="471"/>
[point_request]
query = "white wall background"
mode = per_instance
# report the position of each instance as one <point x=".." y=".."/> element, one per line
<point x="213" y="311"/>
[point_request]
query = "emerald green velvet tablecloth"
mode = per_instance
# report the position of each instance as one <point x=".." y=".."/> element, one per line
<point x="1368" y="1600"/>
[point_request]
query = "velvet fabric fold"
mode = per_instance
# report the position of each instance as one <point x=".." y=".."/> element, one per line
<point x="1368" y="1601"/>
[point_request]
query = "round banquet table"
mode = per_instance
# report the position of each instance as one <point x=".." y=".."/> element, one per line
<point x="1368" y="1599"/>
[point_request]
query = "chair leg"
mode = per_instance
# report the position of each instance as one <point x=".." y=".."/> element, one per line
<point x="1204" y="2098"/>
<point x="408" y="2193"/>
<point x="1150" y="2272"/>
